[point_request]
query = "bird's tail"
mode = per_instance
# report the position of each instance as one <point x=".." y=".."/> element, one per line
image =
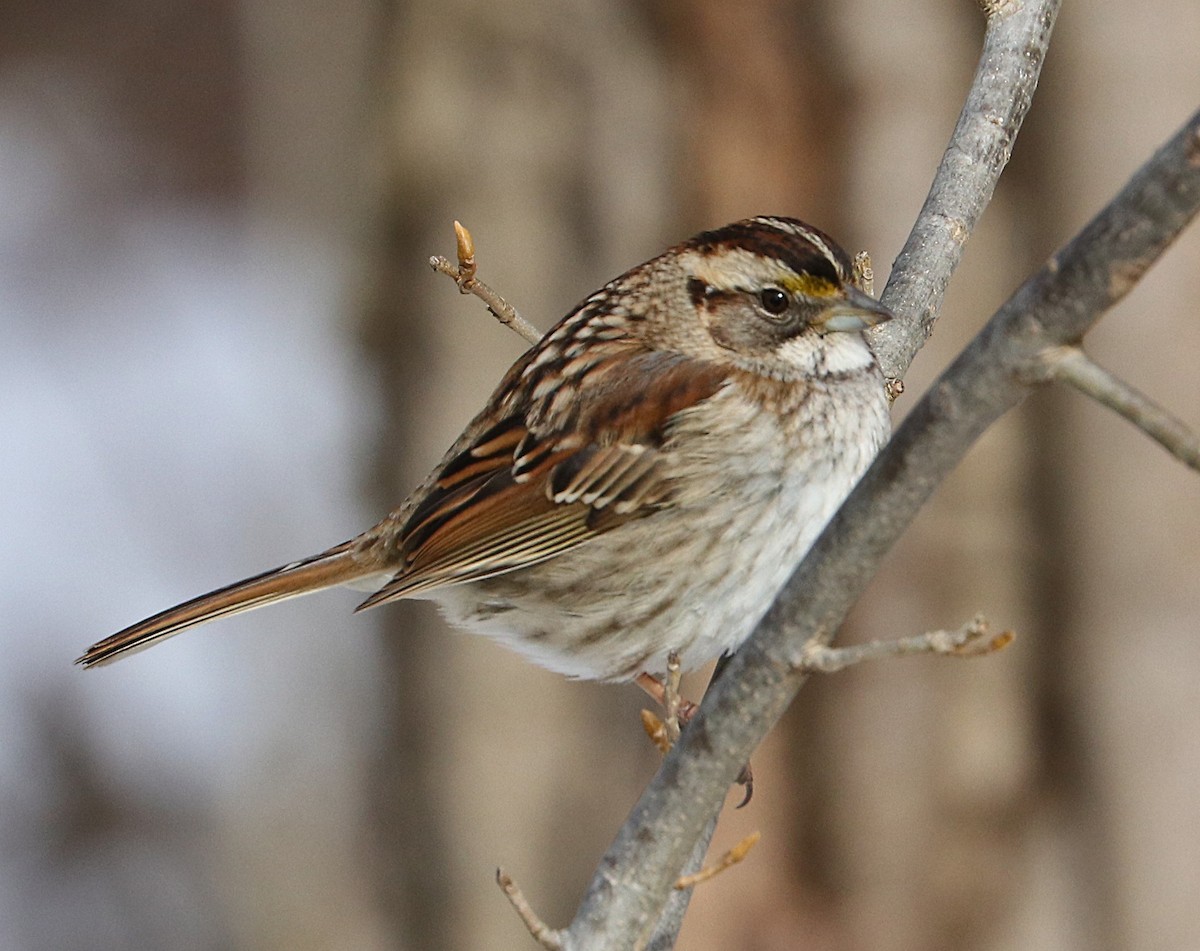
<point x="340" y="565"/>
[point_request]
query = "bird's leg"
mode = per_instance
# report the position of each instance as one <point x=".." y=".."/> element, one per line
<point x="672" y="702"/>
<point x="677" y="711"/>
<point x="664" y="732"/>
<point x="665" y="692"/>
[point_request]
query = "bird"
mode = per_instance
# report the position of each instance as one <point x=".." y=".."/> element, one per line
<point x="644" y="479"/>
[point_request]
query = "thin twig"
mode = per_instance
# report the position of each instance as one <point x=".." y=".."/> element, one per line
<point x="973" y="639"/>
<point x="549" y="938"/>
<point x="730" y="858"/>
<point x="464" y="276"/>
<point x="1072" y="366"/>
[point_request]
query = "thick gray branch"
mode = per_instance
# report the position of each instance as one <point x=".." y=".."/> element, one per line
<point x="1053" y="308"/>
<point x="666" y="929"/>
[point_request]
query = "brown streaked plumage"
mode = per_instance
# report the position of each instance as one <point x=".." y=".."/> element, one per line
<point x="644" y="479"/>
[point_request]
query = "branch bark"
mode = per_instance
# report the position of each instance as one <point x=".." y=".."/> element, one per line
<point x="998" y="369"/>
<point x="1072" y="366"/>
<point x="1014" y="49"/>
<point x="973" y="639"/>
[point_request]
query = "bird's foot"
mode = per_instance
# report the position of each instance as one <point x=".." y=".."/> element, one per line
<point x="664" y="731"/>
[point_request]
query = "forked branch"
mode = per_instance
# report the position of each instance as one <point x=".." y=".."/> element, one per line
<point x="1072" y="366"/>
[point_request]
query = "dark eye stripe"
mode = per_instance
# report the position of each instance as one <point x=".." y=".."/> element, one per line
<point x="705" y="295"/>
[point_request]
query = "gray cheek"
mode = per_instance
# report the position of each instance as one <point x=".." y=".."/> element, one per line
<point x="749" y="334"/>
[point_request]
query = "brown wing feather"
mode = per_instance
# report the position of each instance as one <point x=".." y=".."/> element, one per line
<point x="525" y="489"/>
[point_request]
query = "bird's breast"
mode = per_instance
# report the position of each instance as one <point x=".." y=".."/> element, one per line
<point x="750" y="491"/>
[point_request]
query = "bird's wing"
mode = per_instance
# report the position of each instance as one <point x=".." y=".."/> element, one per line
<point x="553" y="468"/>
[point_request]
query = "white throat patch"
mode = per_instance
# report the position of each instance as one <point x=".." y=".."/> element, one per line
<point x="828" y="355"/>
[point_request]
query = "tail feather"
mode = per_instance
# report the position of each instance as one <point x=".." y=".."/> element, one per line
<point x="337" y="566"/>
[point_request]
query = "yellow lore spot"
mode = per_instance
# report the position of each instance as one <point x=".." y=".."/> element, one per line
<point x="809" y="286"/>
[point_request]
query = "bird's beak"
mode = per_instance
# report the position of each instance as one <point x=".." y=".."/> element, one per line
<point x="855" y="311"/>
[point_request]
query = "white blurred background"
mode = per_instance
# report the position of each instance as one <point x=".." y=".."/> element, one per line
<point x="221" y="349"/>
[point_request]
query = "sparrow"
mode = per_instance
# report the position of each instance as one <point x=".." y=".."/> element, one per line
<point x="644" y="479"/>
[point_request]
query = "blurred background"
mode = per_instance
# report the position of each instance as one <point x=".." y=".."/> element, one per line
<point x="221" y="349"/>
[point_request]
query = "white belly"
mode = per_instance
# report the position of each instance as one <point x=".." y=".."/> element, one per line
<point x="695" y="578"/>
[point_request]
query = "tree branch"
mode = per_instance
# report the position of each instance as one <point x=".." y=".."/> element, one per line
<point x="998" y="369"/>
<point x="1014" y="49"/>
<point x="468" y="283"/>
<point x="1072" y="366"/>
<point x="543" y="934"/>
<point x="731" y="858"/>
<point x="973" y="639"/>
<point x="666" y="929"/>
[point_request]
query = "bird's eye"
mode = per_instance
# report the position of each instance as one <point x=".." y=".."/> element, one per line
<point x="774" y="301"/>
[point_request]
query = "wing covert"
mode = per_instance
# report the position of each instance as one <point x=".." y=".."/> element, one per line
<point x="536" y="483"/>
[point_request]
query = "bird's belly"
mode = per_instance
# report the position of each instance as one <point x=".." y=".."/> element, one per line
<point x="694" y="578"/>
